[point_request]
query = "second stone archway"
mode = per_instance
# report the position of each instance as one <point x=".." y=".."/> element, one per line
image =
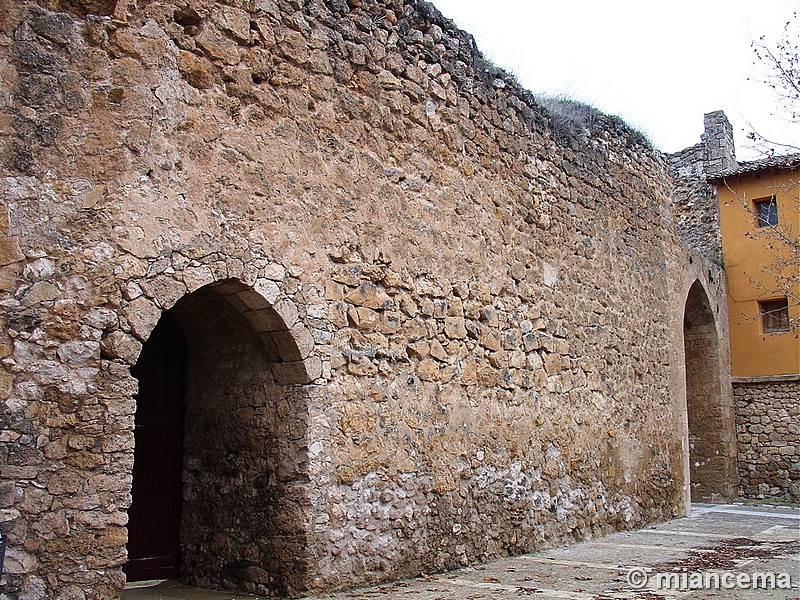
<point x="709" y="405"/>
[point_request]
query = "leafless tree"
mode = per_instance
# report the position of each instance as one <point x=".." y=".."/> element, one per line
<point x="780" y="60"/>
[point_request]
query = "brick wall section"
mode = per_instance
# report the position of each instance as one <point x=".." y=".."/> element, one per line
<point x="768" y="428"/>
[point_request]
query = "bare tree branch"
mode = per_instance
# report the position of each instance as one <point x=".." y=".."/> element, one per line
<point x="781" y="61"/>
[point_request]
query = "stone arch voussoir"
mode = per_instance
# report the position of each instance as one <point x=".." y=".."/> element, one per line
<point x="287" y="343"/>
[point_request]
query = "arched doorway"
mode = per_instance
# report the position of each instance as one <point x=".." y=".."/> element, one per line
<point x="219" y="484"/>
<point x="711" y="428"/>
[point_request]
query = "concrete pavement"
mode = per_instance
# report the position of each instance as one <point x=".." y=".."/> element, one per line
<point x="715" y="539"/>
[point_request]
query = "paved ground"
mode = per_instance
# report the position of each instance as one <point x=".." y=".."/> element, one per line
<point x="715" y="539"/>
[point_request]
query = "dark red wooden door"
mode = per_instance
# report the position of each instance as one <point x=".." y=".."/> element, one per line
<point x="155" y="514"/>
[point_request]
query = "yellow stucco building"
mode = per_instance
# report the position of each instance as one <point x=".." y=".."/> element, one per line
<point x="759" y="213"/>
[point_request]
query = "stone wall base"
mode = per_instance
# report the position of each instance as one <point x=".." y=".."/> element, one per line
<point x="768" y="430"/>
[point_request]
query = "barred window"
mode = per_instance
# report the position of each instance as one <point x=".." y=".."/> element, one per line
<point x="767" y="212"/>
<point x="775" y="315"/>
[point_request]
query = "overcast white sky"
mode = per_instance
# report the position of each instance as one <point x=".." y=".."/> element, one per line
<point x="658" y="65"/>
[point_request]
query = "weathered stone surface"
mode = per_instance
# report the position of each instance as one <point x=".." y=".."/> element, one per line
<point x="142" y="316"/>
<point x="78" y="352"/>
<point x="423" y="328"/>
<point x="9" y="250"/>
<point x="197" y="71"/>
<point x="454" y="328"/>
<point x="119" y="344"/>
<point x="39" y="292"/>
<point x="370" y="296"/>
<point x="234" y="21"/>
<point x="768" y="435"/>
<point x="217" y="45"/>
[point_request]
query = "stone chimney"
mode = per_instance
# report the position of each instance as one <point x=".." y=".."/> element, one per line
<point x="720" y="155"/>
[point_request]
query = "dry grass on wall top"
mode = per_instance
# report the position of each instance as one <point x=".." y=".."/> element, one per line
<point x="575" y="121"/>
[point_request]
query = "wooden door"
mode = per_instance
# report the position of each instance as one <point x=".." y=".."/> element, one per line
<point x="155" y="514"/>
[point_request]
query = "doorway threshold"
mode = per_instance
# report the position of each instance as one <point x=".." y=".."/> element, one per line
<point x="172" y="589"/>
<point x="144" y="584"/>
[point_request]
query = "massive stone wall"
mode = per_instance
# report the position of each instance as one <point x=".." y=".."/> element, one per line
<point x="425" y="327"/>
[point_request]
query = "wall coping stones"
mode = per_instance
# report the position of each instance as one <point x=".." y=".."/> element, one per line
<point x="767" y="378"/>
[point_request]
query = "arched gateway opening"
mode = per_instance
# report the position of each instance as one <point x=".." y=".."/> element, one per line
<point x="711" y="427"/>
<point x="219" y="476"/>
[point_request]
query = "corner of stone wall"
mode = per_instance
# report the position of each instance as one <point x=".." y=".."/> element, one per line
<point x="694" y="201"/>
<point x="719" y="150"/>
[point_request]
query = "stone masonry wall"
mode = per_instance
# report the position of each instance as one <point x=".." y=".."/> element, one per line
<point x="477" y="327"/>
<point x="720" y="152"/>
<point x="695" y="199"/>
<point x="768" y="428"/>
<point x="695" y="203"/>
